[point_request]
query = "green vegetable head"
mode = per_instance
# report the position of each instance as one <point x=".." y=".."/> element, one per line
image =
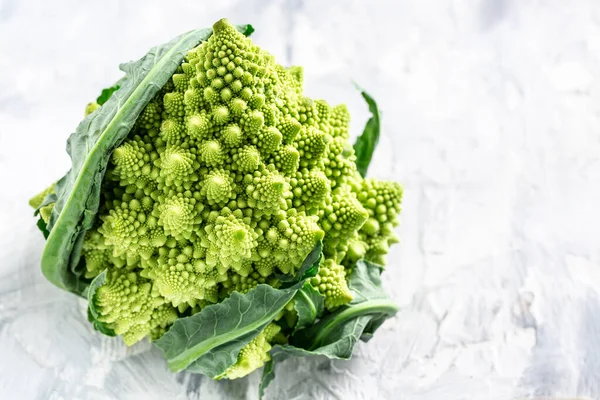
<point x="215" y="208"/>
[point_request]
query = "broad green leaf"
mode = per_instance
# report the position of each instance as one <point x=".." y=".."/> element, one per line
<point x="90" y="147"/>
<point x="365" y="282"/>
<point x="92" y="308"/>
<point x="365" y="144"/>
<point x="209" y="342"/>
<point x="336" y="334"/>
<point x="309" y="305"/>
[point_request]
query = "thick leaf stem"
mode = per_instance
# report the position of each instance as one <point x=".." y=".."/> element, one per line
<point x="379" y="306"/>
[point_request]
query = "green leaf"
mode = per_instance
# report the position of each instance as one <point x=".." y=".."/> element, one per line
<point x="309" y="267"/>
<point x="247" y="30"/>
<point x="365" y="144"/>
<point x="372" y="326"/>
<point x="90" y="147"/>
<point x="210" y="341"/>
<point x="93" y="312"/>
<point x="107" y="93"/>
<point x="309" y="305"/>
<point x="336" y="334"/>
<point x="41" y="224"/>
<point x="268" y="374"/>
<point x="365" y="282"/>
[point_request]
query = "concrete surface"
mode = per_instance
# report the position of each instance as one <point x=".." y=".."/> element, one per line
<point x="491" y="121"/>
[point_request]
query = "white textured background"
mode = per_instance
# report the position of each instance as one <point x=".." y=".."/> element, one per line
<point x="490" y="120"/>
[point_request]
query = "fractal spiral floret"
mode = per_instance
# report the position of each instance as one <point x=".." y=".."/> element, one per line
<point x="226" y="182"/>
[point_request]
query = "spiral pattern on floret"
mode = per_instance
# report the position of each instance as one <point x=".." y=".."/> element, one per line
<point x="331" y="283"/>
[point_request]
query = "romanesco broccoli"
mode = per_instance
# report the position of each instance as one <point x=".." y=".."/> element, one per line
<point x="228" y="179"/>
